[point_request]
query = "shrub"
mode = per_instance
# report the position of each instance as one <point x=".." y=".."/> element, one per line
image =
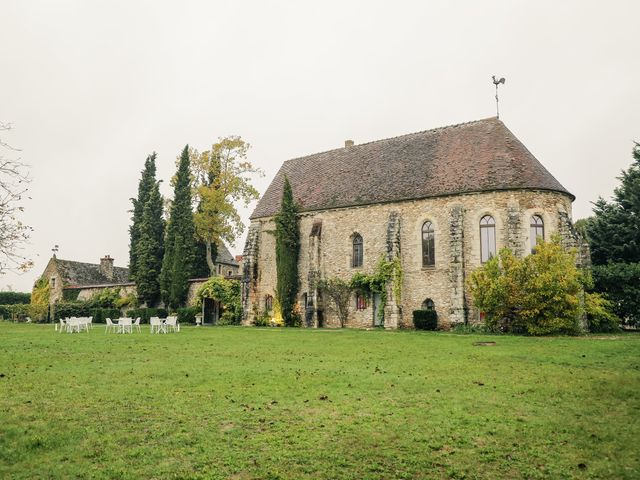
<point x="620" y="283"/>
<point x="469" y="328"/>
<point x="19" y="312"/>
<point x="84" y="309"/>
<point x="13" y="298"/>
<point x="146" y="313"/>
<point x="599" y="316"/>
<point x="425" y="319"/>
<point x="539" y="294"/>
<point x="188" y="314"/>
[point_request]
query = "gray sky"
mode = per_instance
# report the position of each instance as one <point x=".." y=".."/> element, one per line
<point x="92" y="87"/>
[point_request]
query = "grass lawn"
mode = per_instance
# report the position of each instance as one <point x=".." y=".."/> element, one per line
<point x="232" y="402"/>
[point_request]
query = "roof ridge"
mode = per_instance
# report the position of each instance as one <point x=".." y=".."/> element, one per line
<point x="430" y="130"/>
<point x="86" y="263"/>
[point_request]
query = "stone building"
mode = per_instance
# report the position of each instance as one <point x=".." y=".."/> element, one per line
<point x="80" y="281"/>
<point x="71" y="280"/>
<point x="442" y="201"/>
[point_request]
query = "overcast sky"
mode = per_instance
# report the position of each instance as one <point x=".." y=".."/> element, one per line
<point x="93" y="87"/>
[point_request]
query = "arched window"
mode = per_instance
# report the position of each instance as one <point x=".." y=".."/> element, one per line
<point x="537" y="231"/>
<point x="361" y="301"/>
<point x="487" y="238"/>
<point x="428" y="245"/>
<point x="428" y="305"/>
<point x="356" y="260"/>
<point x="268" y="303"/>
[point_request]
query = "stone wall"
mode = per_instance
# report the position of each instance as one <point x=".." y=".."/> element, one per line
<point x="396" y="229"/>
<point x="87" y="292"/>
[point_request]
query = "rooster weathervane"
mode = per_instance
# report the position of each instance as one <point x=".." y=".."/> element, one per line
<point x="496" y="83"/>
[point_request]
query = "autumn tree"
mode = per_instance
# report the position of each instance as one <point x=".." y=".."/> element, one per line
<point x="145" y="186"/>
<point x="13" y="189"/>
<point x="222" y="177"/>
<point x="540" y="294"/>
<point x="179" y="242"/>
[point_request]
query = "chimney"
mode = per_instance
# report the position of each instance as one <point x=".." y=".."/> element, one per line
<point x="348" y="143"/>
<point x="106" y="267"/>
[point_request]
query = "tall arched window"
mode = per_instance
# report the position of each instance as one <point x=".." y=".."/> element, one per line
<point x="537" y="230"/>
<point x="268" y="303"/>
<point x="356" y="260"/>
<point x="428" y="245"/>
<point x="487" y="238"/>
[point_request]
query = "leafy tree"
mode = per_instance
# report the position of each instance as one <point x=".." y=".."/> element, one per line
<point x="145" y="186"/>
<point x="149" y="249"/>
<point x="179" y="244"/>
<point x="221" y="178"/>
<point x="539" y="294"/>
<point x="13" y="233"/>
<point x="614" y="238"/>
<point x="339" y="291"/>
<point x="287" y="251"/>
<point x="14" y="298"/>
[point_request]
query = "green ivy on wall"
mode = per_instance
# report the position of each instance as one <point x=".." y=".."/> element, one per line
<point x="386" y="271"/>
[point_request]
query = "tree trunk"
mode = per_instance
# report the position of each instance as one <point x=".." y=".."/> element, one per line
<point x="212" y="267"/>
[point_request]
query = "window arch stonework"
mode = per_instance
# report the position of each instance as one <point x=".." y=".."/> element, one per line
<point x="536" y="230"/>
<point x="487" y="238"/>
<point x="428" y="244"/>
<point x="357" y="254"/>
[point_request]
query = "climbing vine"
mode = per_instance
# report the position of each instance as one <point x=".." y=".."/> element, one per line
<point x="40" y="299"/>
<point x="226" y="292"/>
<point x="386" y="271"/>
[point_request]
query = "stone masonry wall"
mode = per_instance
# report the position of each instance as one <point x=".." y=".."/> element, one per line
<point x="457" y="248"/>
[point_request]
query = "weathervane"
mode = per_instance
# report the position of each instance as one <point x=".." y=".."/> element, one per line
<point x="54" y="250"/>
<point x="496" y="83"/>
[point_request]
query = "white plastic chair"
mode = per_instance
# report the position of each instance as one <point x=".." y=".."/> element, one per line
<point x="172" y="324"/>
<point x="154" y="324"/>
<point x="137" y="324"/>
<point x="125" y="325"/>
<point x="63" y="325"/>
<point x="110" y="326"/>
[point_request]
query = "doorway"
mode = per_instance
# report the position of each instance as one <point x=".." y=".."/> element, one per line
<point x="378" y="312"/>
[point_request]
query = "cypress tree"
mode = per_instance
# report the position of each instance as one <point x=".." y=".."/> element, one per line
<point x="287" y="251"/>
<point x="149" y="249"/>
<point x="180" y="246"/>
<point x="200" y="266"/>
<point x="147" y="180"/>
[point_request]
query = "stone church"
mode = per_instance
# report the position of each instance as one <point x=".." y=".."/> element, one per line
<point x="443" y="201"/>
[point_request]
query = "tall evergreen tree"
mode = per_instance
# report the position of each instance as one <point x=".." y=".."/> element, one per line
<point x="149" y="249"/>
<point x="614" y="238"/>
<point x="180" y="244"/>
<point x="147" y="180"/>
<point x="287" y="251"/>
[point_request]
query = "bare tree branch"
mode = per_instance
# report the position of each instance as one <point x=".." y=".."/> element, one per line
<point x="14" y="234"/>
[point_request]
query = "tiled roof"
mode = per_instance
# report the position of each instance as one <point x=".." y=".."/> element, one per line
<point x="224" y="256"/>
<point x="470" y="157"/>
<point x="79" y="273"/>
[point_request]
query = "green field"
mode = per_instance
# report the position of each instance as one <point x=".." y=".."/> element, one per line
<point x="241" y="403"/>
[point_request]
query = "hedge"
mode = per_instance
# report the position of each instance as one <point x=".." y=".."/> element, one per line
<point x="13" y="298"/>
<point x="20" y="311"/>
<point x="146" y="313"/>
<point x="82" y="309"/>
<point x="425" y="319"/>
<point x="188" y="314"/>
